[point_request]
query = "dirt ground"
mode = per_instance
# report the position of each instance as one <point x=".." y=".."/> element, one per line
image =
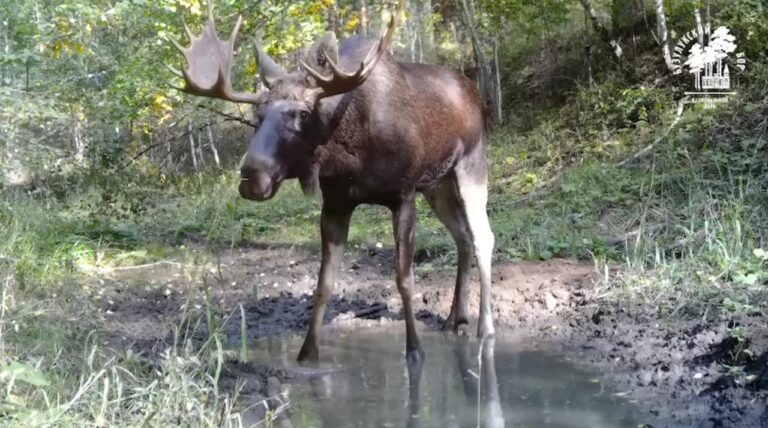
<point x="683" y="372"/>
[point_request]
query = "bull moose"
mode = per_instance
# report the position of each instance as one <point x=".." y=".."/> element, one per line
<point x="377" y="135"/>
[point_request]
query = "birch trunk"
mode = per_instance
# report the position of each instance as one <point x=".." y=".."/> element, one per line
<point x="333" y="18"/>
<point x="497" y="72"/>
<point x="661" y="29"/>
<point x="200" y="157"/>
<point x="424" y="29"/>
<point x="192" y="147"/>
<point x="428" y="32"/>
<point x="458" y="43"/>
<point x="7" y="50"/>
<point x="77" y="136"/>
<point x="410" y="29"/>
<point x="362" y="8"/>
<point x="483" y="67"/>
<point x="699" y="27"/>
<point x="213" y="146"/>
<point x="588" y="59"/>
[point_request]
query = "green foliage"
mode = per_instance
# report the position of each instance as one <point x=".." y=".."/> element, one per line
<point x="528" y="17"/>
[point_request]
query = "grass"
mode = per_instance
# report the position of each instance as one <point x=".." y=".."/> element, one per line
<point x="56" y="372"/>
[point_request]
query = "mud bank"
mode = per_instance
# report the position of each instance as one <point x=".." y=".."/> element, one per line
<point x="682" y="372"/>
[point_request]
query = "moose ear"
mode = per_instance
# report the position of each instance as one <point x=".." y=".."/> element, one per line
<point x="325" y="48"/>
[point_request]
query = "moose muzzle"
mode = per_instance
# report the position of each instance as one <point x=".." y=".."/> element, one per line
<point x="256" y="181"/>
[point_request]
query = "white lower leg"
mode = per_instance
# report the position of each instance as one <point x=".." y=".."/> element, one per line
<point x="474" y="194"/>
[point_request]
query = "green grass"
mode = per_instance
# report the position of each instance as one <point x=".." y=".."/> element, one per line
<point x="55" y="371"/>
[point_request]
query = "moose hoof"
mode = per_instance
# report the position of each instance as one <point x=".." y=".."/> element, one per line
<point x="459" y="327"/>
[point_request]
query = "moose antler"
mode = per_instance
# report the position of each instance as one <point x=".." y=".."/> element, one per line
<point x="340" y="82"/>
<point x="209" y="64"/>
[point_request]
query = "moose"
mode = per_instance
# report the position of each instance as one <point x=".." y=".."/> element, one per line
<point x="377" y="135"/>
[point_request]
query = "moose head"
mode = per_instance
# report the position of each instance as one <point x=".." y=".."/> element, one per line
<point x="291" y="125"/>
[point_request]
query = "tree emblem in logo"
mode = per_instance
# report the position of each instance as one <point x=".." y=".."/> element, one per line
<point x="710" y="59"/>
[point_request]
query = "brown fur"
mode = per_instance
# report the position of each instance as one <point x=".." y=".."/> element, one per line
<point x="400" y="131"/>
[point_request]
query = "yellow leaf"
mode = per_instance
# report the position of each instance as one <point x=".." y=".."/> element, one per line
<point x="352" y="24"/>
<point x="250" y="67"/>
<point x="192" y="5"/>
<point x="160" y="104"/>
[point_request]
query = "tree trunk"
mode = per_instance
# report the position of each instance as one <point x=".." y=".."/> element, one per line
<point x="425" y="29"/>
<point x="411" y="31"/>
<point x="77" y="136"/>
<point x="362" y="8"/>
<point x="6" y="50"/>
<point x="333" y="18"/>
<point x="213" y="146"/>
<point x="484" y="76"/>
<point x="699" y="27"/>
<point x="661" y="28"/>
<point x="497" y="72"/>
<point x="458" y="43"/>
<point x="200" y="156"/>
<point x="192" y="147"/>
<point x="169" y="153"/>
<point x="588" y="59"/>
<point x="601" y="30"/>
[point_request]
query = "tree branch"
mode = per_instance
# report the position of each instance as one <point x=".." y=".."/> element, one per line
<point x="229" y="117"/>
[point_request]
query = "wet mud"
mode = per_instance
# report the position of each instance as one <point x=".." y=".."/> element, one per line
<point x="679" y="372"/>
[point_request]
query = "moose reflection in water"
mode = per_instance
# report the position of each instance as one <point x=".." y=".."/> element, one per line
<point x="481" y="406"/>
<point x="508" y="385"/>
<point x="480" y="389"/>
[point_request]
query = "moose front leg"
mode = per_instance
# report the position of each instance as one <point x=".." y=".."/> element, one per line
<point x="334" y="226"/>
<point x="403" y="218"/>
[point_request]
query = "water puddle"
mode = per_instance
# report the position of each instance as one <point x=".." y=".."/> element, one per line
<point x="458" y="385"/>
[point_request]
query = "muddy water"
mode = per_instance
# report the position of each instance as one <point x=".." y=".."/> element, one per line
<point x="460" y="385"/>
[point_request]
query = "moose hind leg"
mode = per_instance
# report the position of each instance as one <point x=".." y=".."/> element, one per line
<point x="472" y="180"/>
<point x="447" y="205"/>
<point x="334" y="226"/>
